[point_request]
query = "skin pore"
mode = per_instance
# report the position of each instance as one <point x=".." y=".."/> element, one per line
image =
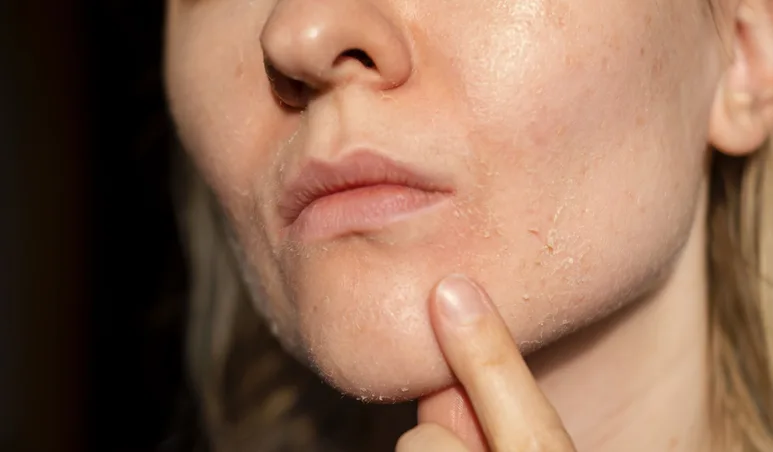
<point x="574" y="135"/>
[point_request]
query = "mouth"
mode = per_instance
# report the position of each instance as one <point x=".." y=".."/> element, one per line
<point x="362" y="192"/>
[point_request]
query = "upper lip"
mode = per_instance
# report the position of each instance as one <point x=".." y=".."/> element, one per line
<point x="363" y="168"/>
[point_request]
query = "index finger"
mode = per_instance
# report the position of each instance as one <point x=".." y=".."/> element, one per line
<point x="513" y="412"/>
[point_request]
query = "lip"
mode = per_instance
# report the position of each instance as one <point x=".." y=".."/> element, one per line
<point x="363" y="191"/>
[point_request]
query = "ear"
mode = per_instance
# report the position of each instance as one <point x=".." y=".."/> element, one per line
<point x="742" y="113"/>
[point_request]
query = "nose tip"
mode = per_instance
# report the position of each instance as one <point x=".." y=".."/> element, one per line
<point x="326" y="43"/>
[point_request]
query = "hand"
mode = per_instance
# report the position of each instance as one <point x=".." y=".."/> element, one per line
<point x="504" y="399"/>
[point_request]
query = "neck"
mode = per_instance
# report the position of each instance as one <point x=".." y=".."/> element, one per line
<point x="638" y="381"/>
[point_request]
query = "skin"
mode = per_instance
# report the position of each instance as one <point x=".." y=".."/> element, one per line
<point x="574" y="133"/>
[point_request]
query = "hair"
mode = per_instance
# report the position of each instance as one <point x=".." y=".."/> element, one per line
<point x="741" y="299"/>
<point x="253" y="394"/>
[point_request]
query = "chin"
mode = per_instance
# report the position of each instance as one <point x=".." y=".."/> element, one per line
<point x="363" y="319"/>
<point x="365" y="326"/>
<point x="381" y="367"/>
<point x="361" y="305"/>
<point x="367" y="331"/>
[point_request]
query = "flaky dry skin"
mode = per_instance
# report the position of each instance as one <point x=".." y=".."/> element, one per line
<point x="265" y="401"/>
<point x="558" y="185"/>
<point x="274" y="402"/>
<point x="254" y="396"/>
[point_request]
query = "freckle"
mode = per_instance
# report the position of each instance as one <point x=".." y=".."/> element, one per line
<point x="641" y="51"/>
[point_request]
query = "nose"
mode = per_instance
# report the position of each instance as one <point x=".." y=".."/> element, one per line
<point x="316" y="45"/>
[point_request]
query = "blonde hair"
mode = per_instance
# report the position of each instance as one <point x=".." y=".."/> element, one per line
<point x="741" y="299"/>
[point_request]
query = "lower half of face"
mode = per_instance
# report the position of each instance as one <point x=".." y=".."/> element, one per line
<point x="574" y="141"/>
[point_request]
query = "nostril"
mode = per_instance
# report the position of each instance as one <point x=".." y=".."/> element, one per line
<point x="296" y="91"/>
<point x="358" y="55"/>
<point x="290" y="92"/>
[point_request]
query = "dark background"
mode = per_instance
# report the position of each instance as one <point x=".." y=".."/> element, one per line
<point x="92" y="287"/>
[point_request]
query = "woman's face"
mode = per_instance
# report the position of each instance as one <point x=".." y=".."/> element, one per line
<point x="567" y="138"/>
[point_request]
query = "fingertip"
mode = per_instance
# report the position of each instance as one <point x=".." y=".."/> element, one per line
<point x="459" y="301"/>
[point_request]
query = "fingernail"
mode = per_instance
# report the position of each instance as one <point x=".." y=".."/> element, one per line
<point x="459" y="301"/>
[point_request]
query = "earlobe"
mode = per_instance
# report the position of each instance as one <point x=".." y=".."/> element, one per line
<point x="742" y="113"/>
<point x="740" y="120"/>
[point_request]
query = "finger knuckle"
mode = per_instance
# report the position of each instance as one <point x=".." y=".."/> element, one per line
<point x="492" y="357"/>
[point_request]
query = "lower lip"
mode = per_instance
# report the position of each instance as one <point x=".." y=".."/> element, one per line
<point x="360" y="210"/>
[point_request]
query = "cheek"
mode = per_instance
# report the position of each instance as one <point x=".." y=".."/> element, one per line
<point x="558" y="69"/>
<point x="594" y="120"/>
<point x="596" y="125"/>
<point x="219" y="98"/>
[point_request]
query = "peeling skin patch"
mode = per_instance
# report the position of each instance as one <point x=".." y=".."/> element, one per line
<point x="550" y="243"/>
